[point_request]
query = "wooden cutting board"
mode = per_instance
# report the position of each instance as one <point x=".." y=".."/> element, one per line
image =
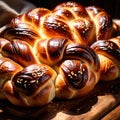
<point x="101" y="104"/>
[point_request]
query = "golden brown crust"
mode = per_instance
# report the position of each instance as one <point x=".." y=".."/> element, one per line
<point x="32" y="86"/>
<point x="105" y="27"/>
<point x="7" y="68"/>
<point x="51" y="51"/>
<point x="46" y="53"/>
<point x="78" y="73"/>
<point x="19" y="51"/>
<point x="69" y="20"/>
<point x="109" y="55"/>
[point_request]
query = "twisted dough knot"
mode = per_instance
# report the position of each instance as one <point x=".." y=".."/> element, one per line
<point x="109" y="56"/>
<point x="78" y="73"/>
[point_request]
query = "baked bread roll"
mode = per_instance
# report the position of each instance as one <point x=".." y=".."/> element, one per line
<point x="51" y="55"/>
<point x="109" y="56"/>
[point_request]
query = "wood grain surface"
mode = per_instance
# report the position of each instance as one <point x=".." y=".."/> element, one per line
<point x="102" y="103"/>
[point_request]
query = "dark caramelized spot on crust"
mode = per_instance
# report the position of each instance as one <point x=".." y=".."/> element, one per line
<point x="76" y="73"/>
<point x="31" y="78"/>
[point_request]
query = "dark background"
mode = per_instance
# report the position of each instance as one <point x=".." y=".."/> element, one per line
<point x="111" y="6"/>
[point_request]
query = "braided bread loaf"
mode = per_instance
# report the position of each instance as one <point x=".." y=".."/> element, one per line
<point x="35" y="83"/>
<point x="46" y="54"/>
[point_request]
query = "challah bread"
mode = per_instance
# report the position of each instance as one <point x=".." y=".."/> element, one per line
<point x="69" y="20"/>
<point x="22" y="89"/>
<point x="109" y="55"/>
<point x="50" y="50"/>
